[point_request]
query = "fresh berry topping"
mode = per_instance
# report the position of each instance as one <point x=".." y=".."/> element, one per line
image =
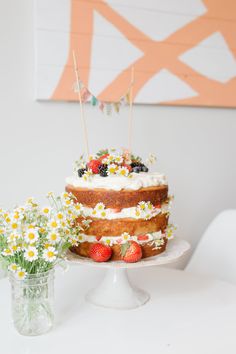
<point x="137" y="169"/>
<point x="81" y="171"/>
<point x="131" y="252"/>
<point x="142" y="237"/>
<point x="98" y="238"/>
<point x="103" y="157"/>
<point x="144" y="168"/>
<point x="103" y="170"/>
<point x="94" y="165"/>
<point x="129" y="168"/>
<point x="158" y="206"/>
<point x="134" y="164"/>
<point x="100" y="253"/>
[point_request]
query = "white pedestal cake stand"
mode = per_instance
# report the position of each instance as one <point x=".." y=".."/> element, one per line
<point x="115" y="290"/>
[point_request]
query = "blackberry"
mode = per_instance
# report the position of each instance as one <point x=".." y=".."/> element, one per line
<point x="136" y="169"/>
<point x="134" y="164"/>
<point x="144" y="168"/>
<point x="103" y="170"/>
<point x="81" y="171"/>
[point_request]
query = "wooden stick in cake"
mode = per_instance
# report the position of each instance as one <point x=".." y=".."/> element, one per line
<point x="131" y="110"/>
<point x="85" y="133"/>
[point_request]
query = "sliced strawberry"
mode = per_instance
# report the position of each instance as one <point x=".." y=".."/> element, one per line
<point x="100" y="253"/>
<point x="142" y="237"/>
<point x="131" y="252"/>
<point x="158" y="206"/>
<point x="116" y="210"/>
<point x="103" y="157"/>
<point x="98" y="238"/>
<point x="94" y="165"/>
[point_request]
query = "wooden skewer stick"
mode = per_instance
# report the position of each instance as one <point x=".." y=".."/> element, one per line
<point x="131" y="110"/>
<point x="81" y="105"/>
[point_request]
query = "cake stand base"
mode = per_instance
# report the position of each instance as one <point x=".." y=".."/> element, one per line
<point x="116" y="291"/>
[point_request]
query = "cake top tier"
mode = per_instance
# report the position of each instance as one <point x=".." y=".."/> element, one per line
<point x="111" y="170"/>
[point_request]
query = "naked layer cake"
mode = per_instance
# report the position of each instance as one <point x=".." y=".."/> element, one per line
<point x="123" y="204"/>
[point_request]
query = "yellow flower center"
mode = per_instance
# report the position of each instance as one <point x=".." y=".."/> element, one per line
<point x="14" y="267"/>
<point x="103" y="213"/>
<point x="31" y="236"/>
<point x="21" y="274"/>
<point x="53" y="224"/>
<point x="14" y="225"/>
<point x="31" y="253"/>
<point x="50" y="254"/>
<point x="60" y="216"/>
<point x="53" y="237"/>
<point x="46" y="210"/>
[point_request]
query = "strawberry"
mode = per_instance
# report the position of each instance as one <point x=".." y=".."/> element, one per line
<point x="142" y="237"/>
<point x="100" y="253"/>
<point x="131" y="252"/>
<point x="93" y="165"/>
<point x="103" y="157"/>
<point x="98" y="238"/>
<point x="158" y="206"/>
<point x="129" y="168"/>
<point x="116" y="210"/>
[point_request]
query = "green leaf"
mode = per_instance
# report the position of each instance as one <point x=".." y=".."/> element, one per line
<point x="124" y="248"/>
<point x="102" y="152"/>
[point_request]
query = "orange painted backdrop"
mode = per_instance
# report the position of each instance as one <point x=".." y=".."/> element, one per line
<point x="200" y="54"/>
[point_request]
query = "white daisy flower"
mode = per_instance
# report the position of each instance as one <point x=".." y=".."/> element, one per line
<point x="46" y="210"/>
<point x="54" y="237"/>
<point x="31" y="254"/>
<point x="123" y="171"/>
<point x="21" y="274"/>
<point x="103" y="214"/>
<point x="142" y="205"/>
<point x="31" y="236"/>
<point x="99" y="207"/>
<point x="78" y="207"/>
<point x="60" y="216"/>
<point x="119" y="159"/>
<point x="14" y="225"/>
<point x="53" y="224"/>
<point x="112" y="168"/>
<point x="12" y="238"/>
<point x="7" y="252"/>
<point x="125" y="236"/>
<point x="81" y="238"/>
<point x="50" y="254"/>
<point x="74" y="240"/>
<point x="86" y="176"/>
<point x="13" y="267"/>
<point x="109" y="159"/>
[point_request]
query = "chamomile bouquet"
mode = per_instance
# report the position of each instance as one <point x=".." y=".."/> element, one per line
<point x="34" y="239"/>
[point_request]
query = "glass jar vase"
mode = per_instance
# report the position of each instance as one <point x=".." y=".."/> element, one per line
<point x="33" y="303"/>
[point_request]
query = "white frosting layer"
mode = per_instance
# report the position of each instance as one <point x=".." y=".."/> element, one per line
<point x="114" y="182"/>
<point x="111" y="240"/>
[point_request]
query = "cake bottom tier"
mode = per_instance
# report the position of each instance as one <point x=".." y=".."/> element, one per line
<point x="149" y="249"/>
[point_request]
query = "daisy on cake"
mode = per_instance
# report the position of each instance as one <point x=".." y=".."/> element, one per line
<point x="126" y="207"/>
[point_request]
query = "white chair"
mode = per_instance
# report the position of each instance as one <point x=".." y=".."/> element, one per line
<point x="215" y="254"/>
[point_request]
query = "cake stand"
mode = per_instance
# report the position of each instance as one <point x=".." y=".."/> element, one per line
<point x="115" y="290"/>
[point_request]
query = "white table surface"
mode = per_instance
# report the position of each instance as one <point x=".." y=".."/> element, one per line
<point x="186" y="314"/>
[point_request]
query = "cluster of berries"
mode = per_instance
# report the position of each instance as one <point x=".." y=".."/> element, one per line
<point x="101" y="165"/>
<point x="131" y="252"/>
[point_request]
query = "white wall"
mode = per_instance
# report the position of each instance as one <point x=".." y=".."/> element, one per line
<point x="39" y="141"/>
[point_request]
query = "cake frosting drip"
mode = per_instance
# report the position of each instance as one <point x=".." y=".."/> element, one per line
<point x="114" y="182"/>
